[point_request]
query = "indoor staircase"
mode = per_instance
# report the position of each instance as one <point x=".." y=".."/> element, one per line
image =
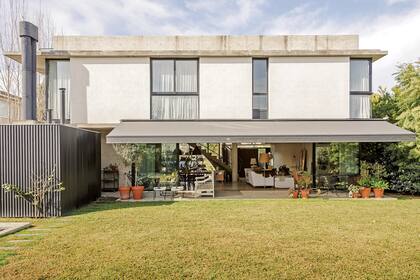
<point x="214" y="160"/>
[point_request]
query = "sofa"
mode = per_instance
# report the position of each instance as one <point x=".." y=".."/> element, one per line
<point x="257" y="179"/>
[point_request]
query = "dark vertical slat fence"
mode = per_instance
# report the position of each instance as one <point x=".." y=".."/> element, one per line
<point x="26" y="150"/>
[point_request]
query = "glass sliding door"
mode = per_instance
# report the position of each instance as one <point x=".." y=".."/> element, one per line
<point x="336" y="162"/>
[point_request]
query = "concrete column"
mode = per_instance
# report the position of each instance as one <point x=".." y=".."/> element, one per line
<point x="234" y="155"/>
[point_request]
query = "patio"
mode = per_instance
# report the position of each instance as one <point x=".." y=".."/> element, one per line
<point x="238" y="190"/>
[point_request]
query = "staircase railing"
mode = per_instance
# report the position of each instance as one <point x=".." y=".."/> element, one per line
<point x="216" y="161"/>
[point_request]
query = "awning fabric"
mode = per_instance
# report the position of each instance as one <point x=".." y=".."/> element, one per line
<point x="257" y="131"/>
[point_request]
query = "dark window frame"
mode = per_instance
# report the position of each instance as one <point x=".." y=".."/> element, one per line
<point x="259" y="93"/>
<point x="369" y="92"/>
<point x="174" y="93"/>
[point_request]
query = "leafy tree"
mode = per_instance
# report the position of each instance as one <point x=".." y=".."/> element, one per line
<point x="401" y="107"/>
<point x="407" y="95"/>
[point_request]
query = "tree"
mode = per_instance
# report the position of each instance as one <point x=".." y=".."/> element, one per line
<point x="132" y="154"/>
<point x="401" y="107"/>
<point x="407" y="96"/>
<point x="37" y="193"/>
<point x="13" y="11"/>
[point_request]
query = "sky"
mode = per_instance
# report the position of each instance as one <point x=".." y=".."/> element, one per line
<point x="392" y="25"/>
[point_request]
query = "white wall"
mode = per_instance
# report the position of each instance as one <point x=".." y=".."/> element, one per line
<point x="308" y="87"/>
<point x="226" y="88"/>
<point x="290" y="154"/>
<point x="105" y="90"/>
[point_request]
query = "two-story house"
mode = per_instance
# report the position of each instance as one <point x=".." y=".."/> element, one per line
<point x="302" y="99"/>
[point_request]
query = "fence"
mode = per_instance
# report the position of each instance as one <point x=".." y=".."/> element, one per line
<point x="36" y="150"/>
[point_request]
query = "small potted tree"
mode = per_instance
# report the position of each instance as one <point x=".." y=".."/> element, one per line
<point x="304" y="183"/>
<point x="131" y="154"/>
<point x="365" y="179"/>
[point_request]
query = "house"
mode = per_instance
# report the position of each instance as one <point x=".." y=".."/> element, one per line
<point x="9" y="102"/>
<point x="304" y="100"/>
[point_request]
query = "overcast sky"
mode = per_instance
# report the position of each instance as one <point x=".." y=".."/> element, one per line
<point x="392" y="25"/>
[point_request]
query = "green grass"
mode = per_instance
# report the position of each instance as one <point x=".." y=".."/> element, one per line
<point x="231" y="239"/>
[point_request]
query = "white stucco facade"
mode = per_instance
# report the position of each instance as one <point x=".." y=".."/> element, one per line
<point x="225" y="88"/>
<point x="106" y="90"/>
<point x="308" y="87"/>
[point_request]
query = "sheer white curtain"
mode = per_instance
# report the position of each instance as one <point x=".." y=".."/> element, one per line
<point x="186" y="76"/>
<point x="174" y="107"/>
<point x="360" y="106"/>
<point x="359" y="75"/>
<point x="163" y="75"/>
<point x="58" y="77"/>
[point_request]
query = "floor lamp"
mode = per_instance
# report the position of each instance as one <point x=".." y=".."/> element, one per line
<point x="264" y="158"/>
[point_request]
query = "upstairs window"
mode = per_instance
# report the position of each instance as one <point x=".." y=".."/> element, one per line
<point x="360" y="75"/>
<point x="174" y="89"/>
<point x="259" y="88"/>
<point x="360" y="88"/>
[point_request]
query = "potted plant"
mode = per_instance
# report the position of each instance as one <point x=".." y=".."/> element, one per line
<point x="304" y="183"/>
<point x="131" y="154"/>
<point x="293" y="193"/>
<point x="124" y="192"/>
<point x="378" y="187"/>
<point x="354" y="190"/>
<point x="364" y="183"/>
<point x="365" y="179"/>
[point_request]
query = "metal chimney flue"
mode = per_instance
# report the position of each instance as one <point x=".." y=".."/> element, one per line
<point x="62" y="105"/>
<point x="28" y="33"/>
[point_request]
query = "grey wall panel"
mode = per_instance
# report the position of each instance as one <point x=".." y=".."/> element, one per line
<point x="26" y="150"/>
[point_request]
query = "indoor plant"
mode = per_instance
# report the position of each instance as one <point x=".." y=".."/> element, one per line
<point x="378" y="187"/>
<point x="304" y="183"/>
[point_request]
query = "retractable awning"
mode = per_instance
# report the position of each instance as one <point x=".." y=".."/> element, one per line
<point x="257" y="131"/>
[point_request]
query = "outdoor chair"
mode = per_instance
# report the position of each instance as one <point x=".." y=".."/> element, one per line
<point x="204" y="186"/>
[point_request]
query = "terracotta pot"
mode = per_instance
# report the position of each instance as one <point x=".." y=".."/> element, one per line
<point x="355" y="194"/>
<point x="379" y="193"/>
<point x="295" y="194"/>
<point x="365" y="192"/>
<point x="137" y="192"/>
<point x="124" y="192"/>
<point x="305" y="194"/>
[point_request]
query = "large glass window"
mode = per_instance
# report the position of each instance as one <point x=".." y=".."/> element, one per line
<point x="175" y="89"/>
<point x="58" y="77"/>
<point x="335" y="162"/>
<point x="259" y="88"/>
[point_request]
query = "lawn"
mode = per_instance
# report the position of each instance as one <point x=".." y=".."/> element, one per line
<point x="226" y="239"/>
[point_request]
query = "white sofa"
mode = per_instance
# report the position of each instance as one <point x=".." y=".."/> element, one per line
<point x="284" y="182"/>
<point x="258" y="179"/>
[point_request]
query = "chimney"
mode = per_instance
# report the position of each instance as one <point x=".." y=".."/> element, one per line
<point x="29" y="37"/>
